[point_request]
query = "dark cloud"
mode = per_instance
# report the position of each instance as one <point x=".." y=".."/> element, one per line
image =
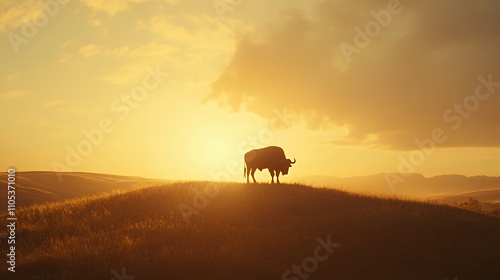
<point x="395" y="90"/>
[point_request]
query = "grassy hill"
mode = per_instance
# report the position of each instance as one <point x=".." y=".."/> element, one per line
<point x="240" y="231"/>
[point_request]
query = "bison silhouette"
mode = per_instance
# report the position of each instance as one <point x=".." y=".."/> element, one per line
<point x="272" y="158"/>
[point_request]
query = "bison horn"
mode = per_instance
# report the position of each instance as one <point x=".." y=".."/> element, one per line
<point x="294" y="161"/>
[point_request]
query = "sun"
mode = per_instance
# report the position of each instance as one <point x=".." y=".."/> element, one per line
<point x="217" y="150"/>
<point x="216" y="146"/>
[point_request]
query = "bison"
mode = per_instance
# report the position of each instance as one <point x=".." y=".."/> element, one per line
<point x="272" y="158"/>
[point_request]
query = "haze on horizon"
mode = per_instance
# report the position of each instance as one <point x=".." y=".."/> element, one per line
<point x="181" y="89"/>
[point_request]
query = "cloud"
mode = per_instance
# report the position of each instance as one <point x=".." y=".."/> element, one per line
<point x="113" y="7"/>
<point x="394" y="91"/>
<point x="14" y="14"/>
<point x="54" y="102"/>
<point x="91" y="50"/>
<point x="13" y="94"/>
<point x="66" y="43"/>
<point x="12" y="77"/>
<point x="194" y="32"/>
<point x="135" y="61"/>
<point x="180" y="42"/>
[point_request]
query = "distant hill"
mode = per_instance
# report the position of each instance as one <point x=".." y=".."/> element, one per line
<point x="490" y="199"/>
<point x="252" y="231"/>
<point x="44" y="186"/>
<point x="485" y="189"/>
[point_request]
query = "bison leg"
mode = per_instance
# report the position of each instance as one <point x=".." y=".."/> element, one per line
<point x="253" y="172"/>
<point x="278" y="177"/>
<point x="248" y="174"/>
<point x="271" y="171"/>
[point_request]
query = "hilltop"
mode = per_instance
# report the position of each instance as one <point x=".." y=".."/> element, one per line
<point x="255" y="231"/>
<point x="36" y="187"/>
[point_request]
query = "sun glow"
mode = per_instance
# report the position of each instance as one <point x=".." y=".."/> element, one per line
<point x="217" y="150"/>
<point x="215" y="144"/>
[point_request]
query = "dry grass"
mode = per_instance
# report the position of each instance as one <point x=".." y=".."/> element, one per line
<point x="252" y="232"/>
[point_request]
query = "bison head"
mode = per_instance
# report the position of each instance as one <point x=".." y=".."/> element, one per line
<point x="285" y="165"/>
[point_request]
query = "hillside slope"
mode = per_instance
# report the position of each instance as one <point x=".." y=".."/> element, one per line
<point x="252" y="232"/>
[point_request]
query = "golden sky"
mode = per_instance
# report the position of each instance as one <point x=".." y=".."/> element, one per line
<point x="182" y="89"/>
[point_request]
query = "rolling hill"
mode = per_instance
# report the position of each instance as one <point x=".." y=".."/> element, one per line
<point x="446" y="188"/>
<point x="414" y="184"/>
<point x="44" y="186"/>
<point x="490" y="199"/>
<point x="203" y="230"/>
